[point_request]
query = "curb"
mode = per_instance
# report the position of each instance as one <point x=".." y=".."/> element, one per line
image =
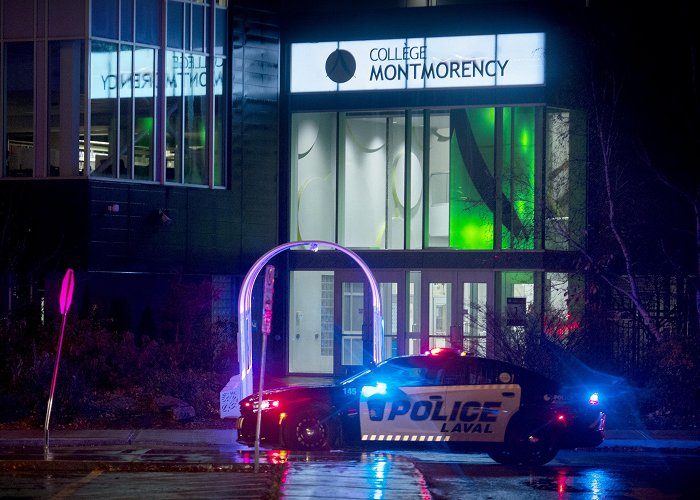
<point x="275" y="470"/>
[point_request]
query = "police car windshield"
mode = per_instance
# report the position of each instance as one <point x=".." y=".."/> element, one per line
<point x="352" y="379"/>
<point x="403" y="370"/>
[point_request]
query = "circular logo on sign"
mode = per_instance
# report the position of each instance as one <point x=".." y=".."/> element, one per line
<point x="504" y="377"/>
<point x="340" y="66"/>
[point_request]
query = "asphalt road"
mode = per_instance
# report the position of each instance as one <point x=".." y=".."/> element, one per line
<point x="379" y="475"/>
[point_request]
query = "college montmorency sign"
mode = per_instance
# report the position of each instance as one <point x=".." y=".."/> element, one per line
<point x="419" y="63"/>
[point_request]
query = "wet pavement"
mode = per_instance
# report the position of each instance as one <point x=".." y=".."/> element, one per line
<point x="95" y="456"/>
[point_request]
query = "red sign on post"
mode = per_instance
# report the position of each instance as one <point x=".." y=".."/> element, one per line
<point x="267" y="299"/>
<point x="67" y="291"/>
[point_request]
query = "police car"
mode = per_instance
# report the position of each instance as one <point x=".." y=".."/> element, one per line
<point x="442" y="398"/>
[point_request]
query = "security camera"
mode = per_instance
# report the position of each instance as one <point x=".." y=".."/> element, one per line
<point x="164" y="219"/>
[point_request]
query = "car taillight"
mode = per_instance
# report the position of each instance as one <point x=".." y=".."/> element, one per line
<point x="593" y="399"/>
<point x="270" y="403"/>
<point x="561" y="418"/>
<point x="267" y="404"/>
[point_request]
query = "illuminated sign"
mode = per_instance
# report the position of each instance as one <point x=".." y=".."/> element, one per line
<point x="185" y="74"/>
<point x="419" y="63"/>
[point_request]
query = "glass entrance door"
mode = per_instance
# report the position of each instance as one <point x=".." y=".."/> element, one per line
<point x="353" y="316"/>
<point x="454" y="310"/>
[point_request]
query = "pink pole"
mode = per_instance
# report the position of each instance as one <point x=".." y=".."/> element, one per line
<point x="65" y="301"/>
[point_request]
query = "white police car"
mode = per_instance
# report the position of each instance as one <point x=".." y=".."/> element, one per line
<point x="442" y="398"/>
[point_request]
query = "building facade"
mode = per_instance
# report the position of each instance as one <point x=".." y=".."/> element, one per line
<point x="432" y="147"/>
<point x="119" y="126"/>
<point x="147" y="141"/>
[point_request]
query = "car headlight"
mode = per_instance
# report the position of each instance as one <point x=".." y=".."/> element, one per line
<point x="370" y="390"/>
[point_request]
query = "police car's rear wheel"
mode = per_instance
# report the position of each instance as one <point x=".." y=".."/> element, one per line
<point x="527" y="443"/>
<point x="310" y="428"/>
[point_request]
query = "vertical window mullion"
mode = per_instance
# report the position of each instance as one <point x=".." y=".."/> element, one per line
<point x="3" y="84"/>
<point x="498" y="177"/>
<point x="408" y="156"/>
<point x="117" y="140"/>
<point x="131" y="156"/>
<point x="209" y="19"/>
<point x="426" y="178"/>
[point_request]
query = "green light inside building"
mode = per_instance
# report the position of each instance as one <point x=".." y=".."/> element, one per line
<point x="475" y="170"/>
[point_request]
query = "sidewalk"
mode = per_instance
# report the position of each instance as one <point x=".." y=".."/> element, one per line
<point x="615" y="439"/>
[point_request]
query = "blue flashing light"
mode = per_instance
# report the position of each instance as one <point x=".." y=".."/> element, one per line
<point x="593" y="399"/>
<point x="371" y="390"/>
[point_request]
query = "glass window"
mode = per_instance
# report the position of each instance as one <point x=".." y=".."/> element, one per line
<point x="564" y="304"/>
<point x="439" y="181"/>
<point x="188" y="27"/>
<point x="173" y="116"/>
<point x="198" y="28"/>
<point x="353" y="318"/>
<point x="220" y="112"/>
<point x="518" y="310"/>
<point x="105" y="17"/>
<point x="19" y="106"/>
<point x="390" y="302"/>
<point x="104" y="113"/>
<point x="472" y="190"/>
<point x="66" y="91"/>
<point x="395" y="201"/>
<point x="220" y="36"/>
<point x="175" y="24"/>
<point x="371" y="174"/>
<point x="439" y="313"/>
<point x="127" y="20"/>
<point x="313" y="196"/>
<point x="474" y="317"/>
<point x="479" y="186"/>
<point x="148" y="14"/>
<point x="311" y="309"/>
<point x="196" y="166"/>
<point x="144" y="112"/>
<point x="518" y="200"/>
<point x="414" y="210"/>
<point x="565" y="184"/>
<point x="126" y="114"/>
<point x="413" y="310"/>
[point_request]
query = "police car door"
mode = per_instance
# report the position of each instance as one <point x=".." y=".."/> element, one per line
<point x="405" y="405"/>
<point x="480" y="400"/>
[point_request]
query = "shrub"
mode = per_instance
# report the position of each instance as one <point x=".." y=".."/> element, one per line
<point x="98" y="364"/>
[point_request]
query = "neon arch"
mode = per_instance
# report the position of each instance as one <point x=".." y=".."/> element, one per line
<point x="245" y="332"/>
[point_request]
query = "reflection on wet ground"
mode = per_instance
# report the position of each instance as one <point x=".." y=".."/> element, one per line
<point x="375" y="476"/>
<point x="378" y="474"/>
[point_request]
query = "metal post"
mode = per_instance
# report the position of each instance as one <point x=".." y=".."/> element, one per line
<point x="266" y="327"/>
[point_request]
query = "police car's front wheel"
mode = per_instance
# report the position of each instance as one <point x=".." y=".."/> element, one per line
<point x="310" y="428"/>
<point x="527" y="443"/>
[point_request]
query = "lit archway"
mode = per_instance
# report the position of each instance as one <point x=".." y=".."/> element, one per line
<point x="245" y="335"/>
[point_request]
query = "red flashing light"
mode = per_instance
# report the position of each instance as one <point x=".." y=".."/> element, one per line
<point x="436" y="351"/>
<point x="561" y="418"/>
